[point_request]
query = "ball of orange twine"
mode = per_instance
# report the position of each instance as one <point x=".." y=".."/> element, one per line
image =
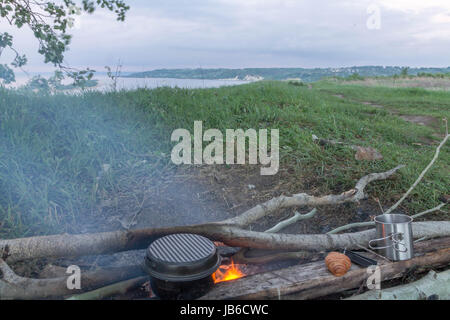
<point x="338" y="263"/>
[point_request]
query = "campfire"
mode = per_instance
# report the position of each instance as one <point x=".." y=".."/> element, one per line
<point x="227" y="273"/>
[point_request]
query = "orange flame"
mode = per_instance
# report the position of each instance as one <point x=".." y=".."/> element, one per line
<point x="230" y="272"/>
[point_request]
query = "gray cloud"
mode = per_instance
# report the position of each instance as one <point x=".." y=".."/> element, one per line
<point x="251" y="33"/>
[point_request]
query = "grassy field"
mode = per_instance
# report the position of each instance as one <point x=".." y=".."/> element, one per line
<point x="428" y="82"/>
<point x="403" y="100"/>
<point x="62" y="155"/>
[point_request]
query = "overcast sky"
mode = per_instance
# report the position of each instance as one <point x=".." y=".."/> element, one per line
<point x="258" y="33"/>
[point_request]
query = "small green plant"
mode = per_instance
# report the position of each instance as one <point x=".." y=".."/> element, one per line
<point x="404" y="72"/>
<point x="297" y="83"/>
<point x="54" y="84"/>
<point x="433" y="75"/>
<point x="355" y="76"/>
<point x="114" y="75"/>
<point x="38" y="84"/>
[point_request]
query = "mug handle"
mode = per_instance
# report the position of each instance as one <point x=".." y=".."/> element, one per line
<point x="394" y="242"/>
<point x="397" y="243"/>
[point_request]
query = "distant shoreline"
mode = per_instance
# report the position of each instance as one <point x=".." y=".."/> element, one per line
<point x="303" y="74"/>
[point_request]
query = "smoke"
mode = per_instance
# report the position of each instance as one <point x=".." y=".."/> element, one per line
<point x="87" y="162"/>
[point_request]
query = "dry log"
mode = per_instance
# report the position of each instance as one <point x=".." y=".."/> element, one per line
<point x="52" y="271"/>
<point x="243" y="257"/>
<point x="13" y="286"/>
<point x="237" y="237"/>
<point x="121" y="287"/>
<point x="436" y="285"/>
<point x="313" y="280"/>
<point x="58" y="246"/>
<point x="431" y="245"/>
<point x="100" y="243"/>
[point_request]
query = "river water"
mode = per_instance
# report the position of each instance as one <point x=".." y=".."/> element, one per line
<point x="105" y="83"/>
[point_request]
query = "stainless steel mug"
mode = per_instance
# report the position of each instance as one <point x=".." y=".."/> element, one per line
<point x="394" y="236"/>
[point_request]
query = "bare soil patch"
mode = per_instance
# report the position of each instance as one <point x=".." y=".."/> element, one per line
<point x="428" y="121"/>
<point x="242" y="187"/>
<point x="421" y="120"/>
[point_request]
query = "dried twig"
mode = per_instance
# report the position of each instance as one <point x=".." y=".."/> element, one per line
<point x="303" y="199"/>
<point x="422" y="174"/>
<point x="371" y="223"/>
<point x="438" y="208"/>
<point x="297" y="217"/>
<point x="352" y="225"/>
<point x="373" y="252"/>
<point x="242" y="255"/>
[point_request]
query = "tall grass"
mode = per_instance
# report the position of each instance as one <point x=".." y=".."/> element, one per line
<point x="60" y="155"/>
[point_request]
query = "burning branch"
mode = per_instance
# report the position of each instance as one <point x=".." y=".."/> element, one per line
<point x="227" y="273"/>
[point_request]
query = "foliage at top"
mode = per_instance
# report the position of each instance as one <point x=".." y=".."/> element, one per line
<point x="50" y="22"/>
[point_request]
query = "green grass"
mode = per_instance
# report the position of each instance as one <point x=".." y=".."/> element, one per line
<point x="53" y="148"/>
<point x="414" y="101"/>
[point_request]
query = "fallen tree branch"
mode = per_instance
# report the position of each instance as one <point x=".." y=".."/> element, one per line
<point x="297" y="217"/>
<point x="237" y="237"/>
<point x="243" y="255"/>
<point x="438" y="208"/>
<point x="121" y="287"/>
<point x="228" y="231"/>
<point x="303" y="199"/>
<point x="352" y="225"/>
<point x="373" y="252"/>
<point x="433" y="284"/>
<point x="13" y="286"/>
<point x="100" y="243"/>
<point x="422" y="174"/>
<point x="372" y="223"/>
<point x="362" y="153"/>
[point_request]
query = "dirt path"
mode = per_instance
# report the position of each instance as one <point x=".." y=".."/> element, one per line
<point x="421" y="120"/>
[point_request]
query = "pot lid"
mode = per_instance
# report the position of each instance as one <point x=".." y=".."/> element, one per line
<point x="182" y="257"/>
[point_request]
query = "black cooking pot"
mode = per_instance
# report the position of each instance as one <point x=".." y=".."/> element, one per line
<point x="181" y="266"/>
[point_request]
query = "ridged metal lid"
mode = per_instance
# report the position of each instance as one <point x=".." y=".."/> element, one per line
<point x="182" y="257"/>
